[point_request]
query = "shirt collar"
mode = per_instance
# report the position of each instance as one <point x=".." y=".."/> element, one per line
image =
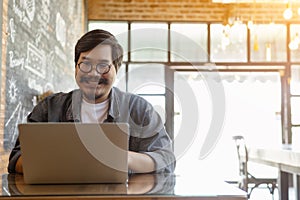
<point x="74" y="111"/>
<point x="114" y="105"/>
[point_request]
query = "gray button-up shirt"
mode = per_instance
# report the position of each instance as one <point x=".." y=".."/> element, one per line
<point x="147" y="132"/>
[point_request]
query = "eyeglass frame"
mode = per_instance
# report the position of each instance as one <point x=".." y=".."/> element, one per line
<point x="92" y="66"/>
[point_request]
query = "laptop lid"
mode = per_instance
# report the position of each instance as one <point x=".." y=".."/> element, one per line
<point x="74" y="152"/>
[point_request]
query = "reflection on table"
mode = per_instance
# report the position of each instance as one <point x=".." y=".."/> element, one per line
<point x="137" y="184"/>
<point x="156" y="185"/>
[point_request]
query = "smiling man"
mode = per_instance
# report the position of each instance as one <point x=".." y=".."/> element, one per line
<point x="98" y="56"/>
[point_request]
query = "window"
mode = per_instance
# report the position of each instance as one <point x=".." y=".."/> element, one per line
<point x="149" y="42"/>
<point x="252" y="108"/>
<point x="188" y="42"/>
<point x="294" y="42"/>
<point x="295" y="104"/>
<point x="296" y="137"/>
<point x="295" y="107"/>
<point x="148" y="81"/>
<point x="252" y="91"/>
<point x="228" y="44"/>
<point x="119" y="29"/>
<point x="268" y="43"/>
<point x="295" y="79"/>
<point x="121" y="81"/>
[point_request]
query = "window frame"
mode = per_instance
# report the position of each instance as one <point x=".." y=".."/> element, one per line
<point x="283" y="67"/>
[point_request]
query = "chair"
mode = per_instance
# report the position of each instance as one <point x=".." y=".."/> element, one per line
<point x="249" y="181"/>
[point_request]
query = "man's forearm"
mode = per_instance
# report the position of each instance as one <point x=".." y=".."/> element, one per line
<point x="140" y="163"/>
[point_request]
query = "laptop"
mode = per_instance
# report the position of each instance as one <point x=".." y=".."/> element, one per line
<point x="62" y="153"/>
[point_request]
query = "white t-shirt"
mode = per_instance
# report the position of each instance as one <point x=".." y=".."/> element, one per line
<point x="94" y="113"/>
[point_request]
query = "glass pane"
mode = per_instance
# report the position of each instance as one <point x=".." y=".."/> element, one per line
<point x="158" y="102"/>
<point x="228" y="44"/>
<point x="295" y="107"/>
<point x="149" y="42"/>
<point x="296" y="138"/>
<point x="268" y="43"/>
<point x="295" y="79"/>
<point x="120" y="81"/>
<point x="119" y="29"/>
<point x="252" y="102"/>
<point x="294" y="42"/>
<point x="188" y="42"/>
<point x="146" y="79"/>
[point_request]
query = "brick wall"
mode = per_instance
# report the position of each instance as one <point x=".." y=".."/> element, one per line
<point x="3" y="154"/>
<point x="186" y="10"/>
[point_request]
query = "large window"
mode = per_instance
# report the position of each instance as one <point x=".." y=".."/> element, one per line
<point x="173" y="64"/>
<point x="252" y="109"/>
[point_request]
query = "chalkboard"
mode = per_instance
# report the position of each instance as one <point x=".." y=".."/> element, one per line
<point x="41" y="35"/>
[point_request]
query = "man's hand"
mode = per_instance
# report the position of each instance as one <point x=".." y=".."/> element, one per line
<point x="19" y="167"/>
<point x="140" y="163"/>
<point x="140" y="183"/>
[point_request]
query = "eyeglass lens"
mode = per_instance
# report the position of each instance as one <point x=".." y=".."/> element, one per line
<point x="101" y="68"/>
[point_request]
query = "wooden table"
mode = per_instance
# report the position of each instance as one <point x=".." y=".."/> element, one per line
<point x="286" y="159"/>
<point x="143" y="186"/>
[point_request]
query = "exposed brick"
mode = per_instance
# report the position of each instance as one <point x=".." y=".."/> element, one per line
<point x="191" y="10"/>
<point x="3" y="154"/>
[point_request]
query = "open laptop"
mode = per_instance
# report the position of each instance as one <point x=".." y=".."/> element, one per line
<point x="74" y="152"/>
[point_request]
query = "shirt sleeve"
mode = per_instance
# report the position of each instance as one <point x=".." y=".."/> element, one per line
<point x="35" y="115"/>
<point x="161" y="151"/>
<point x="13" y="157"/>
<point x="150" y="137"/>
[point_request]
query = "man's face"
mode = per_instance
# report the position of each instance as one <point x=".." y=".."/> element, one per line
<point x="95" y="86"/>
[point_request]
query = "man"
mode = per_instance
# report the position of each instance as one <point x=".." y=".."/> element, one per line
<point x="98" y="57"/>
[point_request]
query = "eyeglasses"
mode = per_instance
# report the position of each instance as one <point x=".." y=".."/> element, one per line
<point x="101" y="68"/>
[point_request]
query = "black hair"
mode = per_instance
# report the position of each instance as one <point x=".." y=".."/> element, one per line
<point x="95" y="37"/>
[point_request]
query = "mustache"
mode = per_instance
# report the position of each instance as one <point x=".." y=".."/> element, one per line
<point x="94" y="79"/>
